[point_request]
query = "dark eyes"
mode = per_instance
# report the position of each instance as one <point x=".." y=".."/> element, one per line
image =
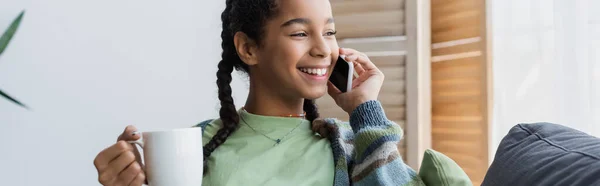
<point x="299" y="35"/>
<point x="302" y="34"/>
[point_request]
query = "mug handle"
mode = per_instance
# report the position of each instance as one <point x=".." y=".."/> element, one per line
<point x="138" y="142"/>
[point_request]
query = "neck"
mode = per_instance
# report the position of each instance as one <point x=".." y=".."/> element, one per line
<point x="263" y="101"/>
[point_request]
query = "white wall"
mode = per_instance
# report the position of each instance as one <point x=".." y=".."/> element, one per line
<point x="546" y="63"/>
<point x="89" y="68"/>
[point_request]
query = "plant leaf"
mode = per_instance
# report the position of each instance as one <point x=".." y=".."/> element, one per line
<point x="12" y="99"/>
<point x="8" y="34"/>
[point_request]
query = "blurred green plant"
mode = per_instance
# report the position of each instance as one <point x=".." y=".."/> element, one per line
<point x="4" y="40"/>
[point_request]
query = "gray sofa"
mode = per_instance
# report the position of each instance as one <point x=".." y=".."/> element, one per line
<point x="545" y="154"/>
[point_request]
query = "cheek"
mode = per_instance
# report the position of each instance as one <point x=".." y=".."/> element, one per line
<point x="335" y="53"/>
<point x="335" y="49"/>
<point x="290" y="53"/>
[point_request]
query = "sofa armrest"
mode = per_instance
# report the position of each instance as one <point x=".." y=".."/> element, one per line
<point x="545" y="154"/>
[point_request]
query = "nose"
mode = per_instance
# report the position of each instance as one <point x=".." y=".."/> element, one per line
<point x="320" y="48"/>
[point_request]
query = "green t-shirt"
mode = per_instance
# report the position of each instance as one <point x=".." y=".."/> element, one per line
<point x="249" y="158"/>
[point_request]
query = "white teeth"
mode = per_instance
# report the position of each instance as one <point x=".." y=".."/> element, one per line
<point x="315" y="71"/>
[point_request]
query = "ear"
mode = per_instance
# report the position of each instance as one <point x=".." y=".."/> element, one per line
<point x="246" y="48"/>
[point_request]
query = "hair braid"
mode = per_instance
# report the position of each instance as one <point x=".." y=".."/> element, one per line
<point x="228" y="112"/>
<point x="248" y="16"/>
<point x="311" y="110"/>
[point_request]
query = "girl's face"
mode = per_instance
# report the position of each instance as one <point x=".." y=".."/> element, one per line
<point x="298" y="50"/>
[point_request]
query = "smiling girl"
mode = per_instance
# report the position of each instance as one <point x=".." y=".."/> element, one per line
<point x="288" y="49"/>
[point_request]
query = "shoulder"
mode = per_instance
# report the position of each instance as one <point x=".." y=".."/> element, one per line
<point x="209" y="128"/>
<point x="206" y="123"/>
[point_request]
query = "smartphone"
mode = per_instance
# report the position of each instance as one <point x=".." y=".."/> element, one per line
<point x="341" y="76"/>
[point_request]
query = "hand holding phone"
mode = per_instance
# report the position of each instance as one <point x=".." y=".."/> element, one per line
<point x="364" y="88"/>
<point x="341" y="75"/>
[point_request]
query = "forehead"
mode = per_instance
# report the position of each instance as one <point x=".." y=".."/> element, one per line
<point x="315" y="10"/>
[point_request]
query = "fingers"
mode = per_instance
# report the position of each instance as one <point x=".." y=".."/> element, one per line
<point x="355" y="56"/>
<point x="138" y="180"/>
<point x="107" y="155"/>
<point x="128" y="134"/>
<point x="356" y="82"/>
<point x="116" y="167"/>
<point x="358" y="68"/>
<point x="129" y="175"/>
<point x="122" y="163"/>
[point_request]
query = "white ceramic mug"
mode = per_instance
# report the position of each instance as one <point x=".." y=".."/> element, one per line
<point x="173" y="158"/>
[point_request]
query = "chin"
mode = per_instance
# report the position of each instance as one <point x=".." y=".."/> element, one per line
<point x="315" y="93"/>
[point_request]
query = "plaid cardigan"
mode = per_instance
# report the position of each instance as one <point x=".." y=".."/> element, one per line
<point x="365" y="149"/>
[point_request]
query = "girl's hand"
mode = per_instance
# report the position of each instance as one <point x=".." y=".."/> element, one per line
<point x="364" y="88"/>
<point x="120" y="164"/>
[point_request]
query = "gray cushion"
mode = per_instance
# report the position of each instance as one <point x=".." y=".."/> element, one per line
<point x="545" y="154"/>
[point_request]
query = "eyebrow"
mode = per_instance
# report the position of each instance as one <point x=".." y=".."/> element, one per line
<point x="303" y="21"/>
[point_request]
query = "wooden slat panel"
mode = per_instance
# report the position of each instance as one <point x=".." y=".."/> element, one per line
<point x="456" y="96"/>
<point x="360" y="6"/>
<point x="383" y="61"/>
<point x="377" y="18"/>
<point x="457" y="124"/>
<point x="459" y="99"/>
<point x="362" y="18"/>
<point x="457" y="49"/>
<point x="449" y="7"/>
<point x="439" y="99"/>
<point x="455" y="83"/>
<point x="371" y="24"/>
<point x="355" y="30"/>
<point x="456" y="63"/>
<point x="457" y="109"/>
<point x="450" y="146"/>
<point x="461" y="68"/>
<point x="398" y="45"/>
<point x="455" y="131"/>
<point x="456" y="20"/>
<point x="366" y="19"/>
<point x="390" y="100"/>
<point x="396" y="114"/>
<point x="393" y="86"/>
<point x="393" y="72"/>
<point x="456" y="137"/>
<point x="466" y="31"/>
<point x="464" y="72"/>
<point x="458" y="73"/>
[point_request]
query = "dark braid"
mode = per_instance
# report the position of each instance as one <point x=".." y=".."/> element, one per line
<point x="311" y="110"/>
<point x="248" y="16"/>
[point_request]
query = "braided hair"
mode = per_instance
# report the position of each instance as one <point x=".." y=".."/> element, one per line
<point x="249" y="17"/>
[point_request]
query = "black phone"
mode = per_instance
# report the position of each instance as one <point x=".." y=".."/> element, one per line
<point x="341" y="76"/>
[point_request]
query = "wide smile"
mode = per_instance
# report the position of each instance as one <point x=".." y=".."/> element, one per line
<point x="314" y="71"/>
<point x="314" y="75"/>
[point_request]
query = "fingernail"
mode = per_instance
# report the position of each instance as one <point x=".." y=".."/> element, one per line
<point x="135" y="133"/>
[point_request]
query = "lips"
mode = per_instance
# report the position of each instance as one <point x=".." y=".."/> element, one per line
<point x="314" y="71"/>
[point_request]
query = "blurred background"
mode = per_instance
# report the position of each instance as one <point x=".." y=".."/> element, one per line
<point x="459" y="74"/>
